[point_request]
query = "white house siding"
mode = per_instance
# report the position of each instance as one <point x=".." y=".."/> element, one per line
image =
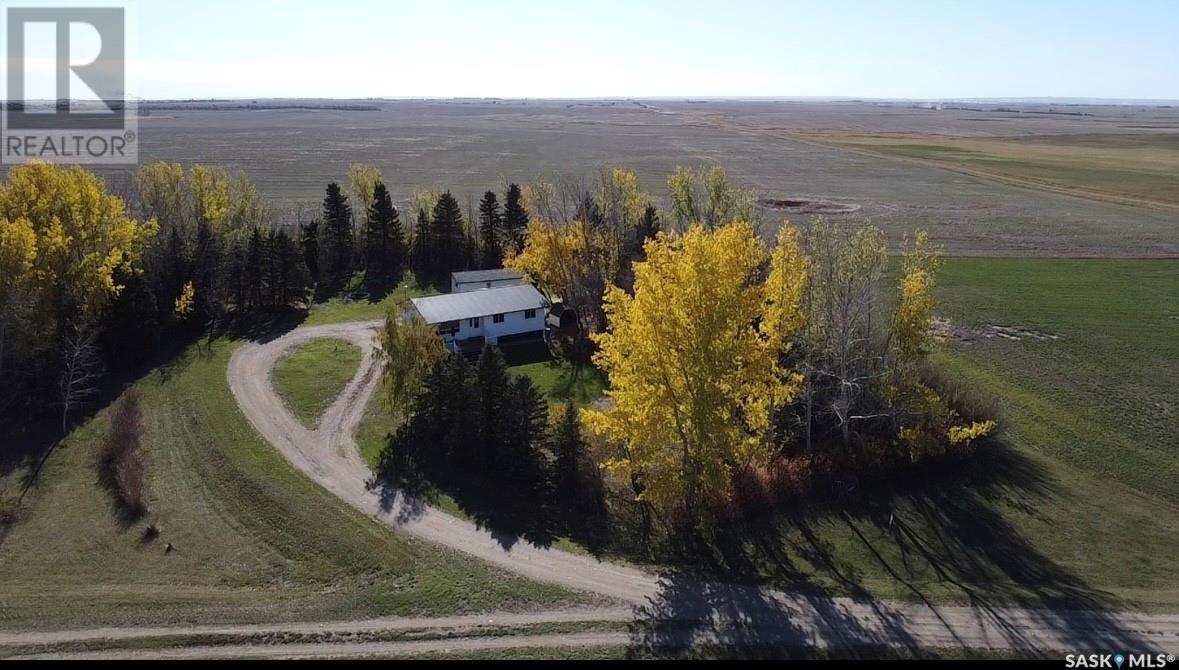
<point x="480" y="285"/>
<point x="514" y="323"/>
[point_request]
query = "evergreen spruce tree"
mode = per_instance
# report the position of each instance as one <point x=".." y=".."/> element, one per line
<point x="254" y="272"/>
<point x="589" y="212"/>
<point x="648" y="225"/>
<point x="524" y="465"/>
<point x="395" y="242"/>
<point x="288" y="275"/>
<point x="421" y="246"/>
<point x="568" y="450"/>
<point x="383" y="241"/>
<point x="491" y="381"/>
<point x="490" y="232"/>
<point x="336" y="247"/>
<point x="515" y="219"/>
<point x="309" y="241"/>
<point x="446" y="238"/>
<point x="234" y="272"/>
<point x="454" y="398"/>
<point x="207" y="279"/>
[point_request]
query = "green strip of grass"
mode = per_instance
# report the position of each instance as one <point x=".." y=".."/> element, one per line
<point x="311" y="376"/>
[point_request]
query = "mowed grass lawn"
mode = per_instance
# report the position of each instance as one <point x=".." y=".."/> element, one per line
<point x="311" y="376"/>
<point x="252" y="539"/>
<point x="1080" y="507"/>
<point x="1132" y="168"/>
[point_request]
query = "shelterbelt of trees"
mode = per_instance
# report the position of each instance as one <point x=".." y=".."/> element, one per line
<point x="93" y="282"/>
<point x="738" y="372"/>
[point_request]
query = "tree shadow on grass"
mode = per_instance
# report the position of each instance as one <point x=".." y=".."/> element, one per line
<point x="401" y="487"/>
<point x="405" y="489"/>
<point x="509" y="517"/>
<point x="264" y="326"/>
<point x="935" y="525"/>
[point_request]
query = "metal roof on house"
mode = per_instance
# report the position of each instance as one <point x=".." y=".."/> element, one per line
<point x="498" y="274"/>
<point x="458" y="306"/>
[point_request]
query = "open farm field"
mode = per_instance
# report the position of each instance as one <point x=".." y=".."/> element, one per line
<point x="470" y="146"/>
<point x="1128" y="169"/>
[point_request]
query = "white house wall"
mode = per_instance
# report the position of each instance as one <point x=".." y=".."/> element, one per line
<point x="513" y="324"/>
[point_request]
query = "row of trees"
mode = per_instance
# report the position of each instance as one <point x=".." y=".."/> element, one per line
<point x="440" y="240"/>
<point x="93" y="281"/>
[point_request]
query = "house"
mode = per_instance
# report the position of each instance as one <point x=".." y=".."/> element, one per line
<point x="497" y="315"/>
<point x="477" y="280"/>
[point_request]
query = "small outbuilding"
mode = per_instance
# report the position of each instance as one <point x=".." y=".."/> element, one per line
<point x="478" y="280"/>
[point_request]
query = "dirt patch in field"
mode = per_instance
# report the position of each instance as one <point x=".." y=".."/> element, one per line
<point x="944" y="329"/>
<point x="808" y="206"/>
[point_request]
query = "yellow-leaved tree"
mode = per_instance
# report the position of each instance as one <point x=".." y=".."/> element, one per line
<point x="913" y="319"/>
<point x="706" y="197"/>
<point x="63" y="242"/>
<point x="408" y="349"/>
<point x="362" y="182"/>
<point x="694" y="365"/>
<point x="80" y="235"/>
<point x="18" y="252"/>
<point x="935" y="426"/>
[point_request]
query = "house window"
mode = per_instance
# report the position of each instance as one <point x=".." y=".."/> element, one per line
<point x="473" y="323"/>
<point x="448" y="327"/>
<point x="530" y="314"/>
<point x="498" y="318"/>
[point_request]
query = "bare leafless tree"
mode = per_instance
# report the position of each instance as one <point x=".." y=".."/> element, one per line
<point x="80" y="368"/>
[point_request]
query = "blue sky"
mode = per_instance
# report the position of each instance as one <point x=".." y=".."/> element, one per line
<point x="556" y="48"/>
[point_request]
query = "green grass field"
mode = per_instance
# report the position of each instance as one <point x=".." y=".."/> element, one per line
<point x="1079" y="508"/>
<point x="1135" y="169"/>
<point x="311" y="376"/>
<point x="252" y="539"/>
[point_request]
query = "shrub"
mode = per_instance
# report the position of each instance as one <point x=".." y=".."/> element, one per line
<point x="122" y="469"/>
